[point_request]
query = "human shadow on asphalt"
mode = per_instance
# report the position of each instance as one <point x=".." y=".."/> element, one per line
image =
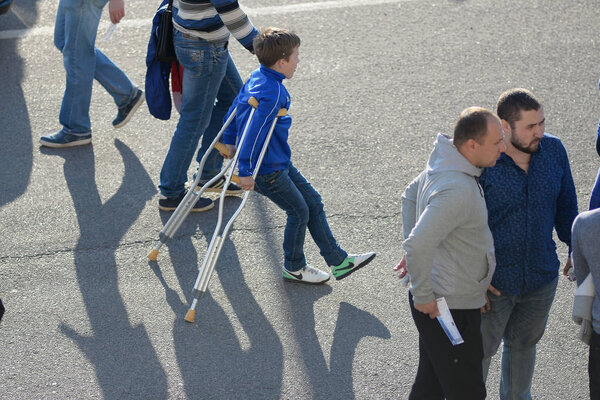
<point x="352" y="324"/>
<point x="213" y="361"/>
<point x="16" y="148"/>
<point x="124" y="359"/>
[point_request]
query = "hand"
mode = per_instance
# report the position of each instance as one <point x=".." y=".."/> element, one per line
<point x="230" y="150"/>
<point x="567" y="268"/>
<point x="402" y="268"/>
<point x="116" y="10"/>
<point x="430" y="309"/>
<point x="247" y="182"/>
<point x="488" y="306"/>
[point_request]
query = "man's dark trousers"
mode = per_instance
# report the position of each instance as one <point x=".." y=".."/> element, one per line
<point x="447" y="371"/>
<point x="594" y="366"/>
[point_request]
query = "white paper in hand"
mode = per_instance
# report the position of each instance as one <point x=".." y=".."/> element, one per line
<point x="109" y="32"/>
<point x="447" y="322"/>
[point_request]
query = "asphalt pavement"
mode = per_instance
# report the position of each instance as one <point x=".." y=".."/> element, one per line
<point x="89" y="317"/>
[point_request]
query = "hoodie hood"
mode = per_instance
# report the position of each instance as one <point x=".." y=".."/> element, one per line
<point x="445" y="157"/>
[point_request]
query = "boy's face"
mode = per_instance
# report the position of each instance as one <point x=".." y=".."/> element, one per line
<point x="288" y="67"/>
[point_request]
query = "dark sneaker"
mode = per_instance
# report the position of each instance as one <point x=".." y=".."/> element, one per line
<point x="306" y="274"/>
<point x="127" y="111"/>
<point x="351" y="264"/>
<point x="232" y="189"/>
<point x="171" y="203"/>
<point x="62" y="139"/>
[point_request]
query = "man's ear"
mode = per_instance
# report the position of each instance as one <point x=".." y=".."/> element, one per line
<point x="471" y="144"/>
<point x="505" y="126"/>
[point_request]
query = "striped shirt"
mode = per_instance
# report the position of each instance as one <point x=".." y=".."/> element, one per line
<point x="213" y="20"/>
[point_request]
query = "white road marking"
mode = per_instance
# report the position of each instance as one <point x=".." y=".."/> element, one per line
<point x="137" y="23"/>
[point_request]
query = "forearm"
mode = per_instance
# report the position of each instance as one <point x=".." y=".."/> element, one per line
<point x="409" y="207"/>
<point x="238" y="23"/>
<point x="433" y="226"/>
<point x="566" y="207"/>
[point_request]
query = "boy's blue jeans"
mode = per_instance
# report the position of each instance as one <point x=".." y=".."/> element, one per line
<point x="302" y="203"/>
<point x="520" y="321"/>
<point x="75" y="36"/>
<point x="210" y="84"/>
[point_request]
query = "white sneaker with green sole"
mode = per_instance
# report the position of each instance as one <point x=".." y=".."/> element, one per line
<point x="306" y="274"/>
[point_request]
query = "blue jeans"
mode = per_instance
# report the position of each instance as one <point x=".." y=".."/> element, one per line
<point x="304" y="208"/>
<point x="75" y="36"/>
<point x="519" y="320"/>
<point x="210" y="84"/>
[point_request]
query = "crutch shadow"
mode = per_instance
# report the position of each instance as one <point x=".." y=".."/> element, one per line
<point x="216" y="360"/>
<point x="125" y="361"/>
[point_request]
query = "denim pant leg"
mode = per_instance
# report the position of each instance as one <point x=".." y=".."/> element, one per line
<point x="280" y="189"/>
<point x="493" y="326"/>
<point x="114" y="80"/>
<point x="74" y="35"/>
<point x="524" y="329"/>
<point x="317" y="220"/>
<point x="205" y="64"/>
<point x="230" y="87"/>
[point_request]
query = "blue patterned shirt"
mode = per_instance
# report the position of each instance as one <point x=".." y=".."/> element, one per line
<point x="523" y="209"/>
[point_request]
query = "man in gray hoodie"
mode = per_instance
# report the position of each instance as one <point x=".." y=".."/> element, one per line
<point x="449" y="253"/>
<point x="586" y="260"/>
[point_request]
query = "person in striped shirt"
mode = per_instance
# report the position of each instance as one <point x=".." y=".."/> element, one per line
<point x="211" y="82"/>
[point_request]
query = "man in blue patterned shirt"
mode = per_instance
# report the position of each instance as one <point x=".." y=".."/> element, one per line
<point x="529" y="193"/>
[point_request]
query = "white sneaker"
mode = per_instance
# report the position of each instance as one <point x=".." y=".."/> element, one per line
<point x="306" y="274"/>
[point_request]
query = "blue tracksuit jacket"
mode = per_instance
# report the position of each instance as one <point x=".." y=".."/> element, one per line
<point x="266" y="86"/>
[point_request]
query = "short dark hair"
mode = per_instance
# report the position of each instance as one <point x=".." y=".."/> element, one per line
<point x="513" y="101"/>
<point x="472" y="124"/>
<point x="273" y="44"/>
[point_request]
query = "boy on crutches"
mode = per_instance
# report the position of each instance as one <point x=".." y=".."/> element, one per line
<point x="278" y="179"/>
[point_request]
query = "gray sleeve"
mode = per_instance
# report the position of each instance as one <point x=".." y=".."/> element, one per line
<point x="579" y="262"/>
<point x="445" y="211"/>
<point x="409" y="205"/>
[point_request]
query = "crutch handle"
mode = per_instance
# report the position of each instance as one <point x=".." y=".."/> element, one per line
<point x="223" y="150"/>
<point x="254" y="103"/>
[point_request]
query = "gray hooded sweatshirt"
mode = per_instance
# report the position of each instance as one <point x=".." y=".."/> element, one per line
<point x="449" y="247"/>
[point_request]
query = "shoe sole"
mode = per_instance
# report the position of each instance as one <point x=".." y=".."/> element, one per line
<point x="163" y="208"/>
<point x="368" y="260"/>
<point x="305" y="282"/>
<point x="219" y="190"/>
<point x="133" y="110"/>
<point x="75" y="143"/>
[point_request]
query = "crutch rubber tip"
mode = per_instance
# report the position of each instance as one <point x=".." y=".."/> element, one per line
<point x="153" y="255"/>
<point x="189" y="316"/>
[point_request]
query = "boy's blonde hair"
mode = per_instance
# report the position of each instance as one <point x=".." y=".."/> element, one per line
<point x="273" y="44"/>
